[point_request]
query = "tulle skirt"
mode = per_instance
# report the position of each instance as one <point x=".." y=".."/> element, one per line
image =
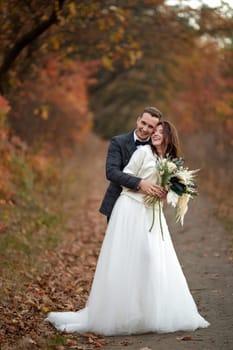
<point x="138" y="285"/>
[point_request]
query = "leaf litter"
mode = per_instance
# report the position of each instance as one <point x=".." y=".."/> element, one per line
<point x="61" y="283"/>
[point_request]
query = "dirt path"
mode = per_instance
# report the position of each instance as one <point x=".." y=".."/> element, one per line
<point x="65" y="278"/>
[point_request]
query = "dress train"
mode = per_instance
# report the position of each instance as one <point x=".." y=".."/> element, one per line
<point x="138" y="285"/>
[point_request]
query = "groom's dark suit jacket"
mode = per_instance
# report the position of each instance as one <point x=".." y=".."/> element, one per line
<point x="120" y="150"/>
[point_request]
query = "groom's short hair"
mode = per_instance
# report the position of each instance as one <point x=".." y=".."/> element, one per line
<point x="153" y="111"/>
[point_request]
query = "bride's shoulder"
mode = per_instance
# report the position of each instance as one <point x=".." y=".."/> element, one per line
<point x="145" y="153"/>
<point x="148" y="150"/>
<point x="149" y="153"/>
<point x="141" y="153"/>
<point x="145" y="149"/>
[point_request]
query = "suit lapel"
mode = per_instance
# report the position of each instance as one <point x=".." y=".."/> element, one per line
<point x="131" y="147"/>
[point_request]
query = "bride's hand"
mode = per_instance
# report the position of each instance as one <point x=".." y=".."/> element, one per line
<point x="159" y="191"/>
<point x="149" y="188"/>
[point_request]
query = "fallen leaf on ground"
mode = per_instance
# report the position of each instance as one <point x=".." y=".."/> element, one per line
<point x="125" y="343"/>
<point x="185" y="338"/>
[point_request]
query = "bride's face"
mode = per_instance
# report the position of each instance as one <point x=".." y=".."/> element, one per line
<point x="157" y="136"/>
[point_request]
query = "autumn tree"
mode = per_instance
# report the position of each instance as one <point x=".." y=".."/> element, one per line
<point x="180" y="47"/>
<point x="139" y="48"/>
<point x="59" y="31"/>
<point x="164" y="34"/>
<point x="87" y="30"/>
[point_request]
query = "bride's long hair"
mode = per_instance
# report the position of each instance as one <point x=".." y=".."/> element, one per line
<point x="171" y="144"/>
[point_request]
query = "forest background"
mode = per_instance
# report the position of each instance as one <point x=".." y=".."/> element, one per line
<point x="73" y="71"/>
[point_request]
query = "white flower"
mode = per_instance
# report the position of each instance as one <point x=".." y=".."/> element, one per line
<point x="172" y="198"/>
<point x="171" y="167"/>
<point x="186" y="176"/>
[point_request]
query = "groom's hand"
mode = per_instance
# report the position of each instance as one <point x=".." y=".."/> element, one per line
<point x="147" y="187"/>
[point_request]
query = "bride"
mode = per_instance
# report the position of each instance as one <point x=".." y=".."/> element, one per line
<point x="138" y="285"/>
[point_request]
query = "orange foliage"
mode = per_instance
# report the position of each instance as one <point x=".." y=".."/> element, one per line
<point x="57" y="103"/>
<point x="4" y="148"/>
<point x="5" y="173"/>
<point x="63" y="86"/>
<point x="229" y="128"/>
<point x="18" y="165"/>
<point x="4" y="106"/>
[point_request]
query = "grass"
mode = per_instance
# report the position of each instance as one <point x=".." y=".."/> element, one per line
<point x="52" y="343"/>
<point x="32" y="220"/>
<point x="35" y="219"/>
<point x="229" y="226"/>
<point x="221" y="193"/>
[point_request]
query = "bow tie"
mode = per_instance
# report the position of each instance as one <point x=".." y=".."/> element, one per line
<point x="141" y="143"/>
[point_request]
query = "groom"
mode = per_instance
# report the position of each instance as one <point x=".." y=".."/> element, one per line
<point x="120" y="150"/>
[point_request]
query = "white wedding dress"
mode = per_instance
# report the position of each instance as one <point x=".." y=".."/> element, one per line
<point x="138" y="285"/>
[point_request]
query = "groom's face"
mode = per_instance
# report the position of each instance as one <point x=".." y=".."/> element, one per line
<point x="145" y="126"/>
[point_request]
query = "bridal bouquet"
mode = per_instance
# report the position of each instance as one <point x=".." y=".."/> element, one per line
<point x="179" y="182"/>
